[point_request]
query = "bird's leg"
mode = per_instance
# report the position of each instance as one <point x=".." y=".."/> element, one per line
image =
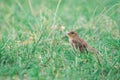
<point x="81" y="49"/>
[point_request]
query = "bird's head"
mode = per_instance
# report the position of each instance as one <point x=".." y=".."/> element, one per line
<point x="72" y="34"/>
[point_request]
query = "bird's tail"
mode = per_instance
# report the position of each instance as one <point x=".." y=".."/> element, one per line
<point x="99" y="58"/>
<point x="92" y="50"/>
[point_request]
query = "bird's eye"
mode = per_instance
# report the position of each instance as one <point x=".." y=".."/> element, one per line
<point x="72" y="32"/>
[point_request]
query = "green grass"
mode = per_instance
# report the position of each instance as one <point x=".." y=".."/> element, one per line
<point x="31" y="48"/>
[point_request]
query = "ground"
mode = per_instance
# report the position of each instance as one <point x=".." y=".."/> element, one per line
<point x="34" y="45"/>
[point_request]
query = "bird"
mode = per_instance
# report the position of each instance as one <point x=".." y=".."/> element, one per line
<point x="79" y="43"/>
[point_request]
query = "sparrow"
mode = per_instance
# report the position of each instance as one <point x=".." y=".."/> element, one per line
<point x="79" y="43"/>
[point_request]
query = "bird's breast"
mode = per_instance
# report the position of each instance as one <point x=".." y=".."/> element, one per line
<point x="74" y="43"/>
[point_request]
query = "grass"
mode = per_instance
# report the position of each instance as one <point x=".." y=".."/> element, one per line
<point x="33" y="45"/>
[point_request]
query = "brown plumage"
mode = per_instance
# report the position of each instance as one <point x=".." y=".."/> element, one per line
<point x="79" y="43"/>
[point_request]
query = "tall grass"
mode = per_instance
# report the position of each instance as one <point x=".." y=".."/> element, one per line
<point x="34" y="46"/>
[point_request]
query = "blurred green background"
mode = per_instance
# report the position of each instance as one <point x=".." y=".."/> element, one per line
<point x="34" y="46"/>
